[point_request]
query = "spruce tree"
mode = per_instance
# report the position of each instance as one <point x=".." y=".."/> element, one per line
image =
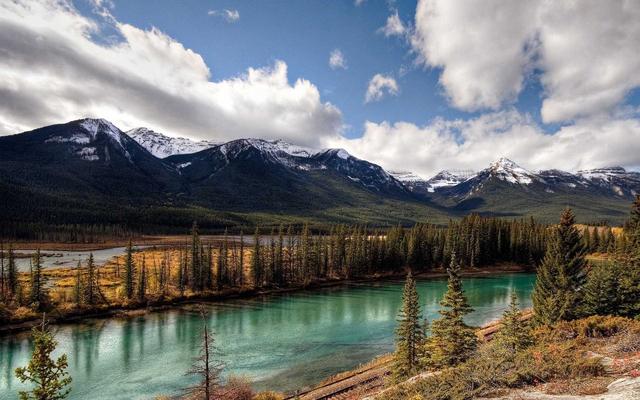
<point x="142" y="281"/>
<point x="629" y="290"/>
<point x="38" y="291"/>
<point x="77" y="287"/>
<point x="90" y="288"/>
<point x="48" y="375"/>
<point x="129" y="271"/>
<point x="256" y="261"/>
<point x="452" y="341"/>
<point x="196" y="272"/>
<point x="515" y="334"/>
<point x="561" y="276"/>
<point x="634" y="232"/>
<point x="601" y="291"/>
<point x="409" y="333"/>
<point x="12" y="273"/>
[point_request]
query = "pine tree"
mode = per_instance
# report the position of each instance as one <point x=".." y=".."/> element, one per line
<point x="601" y="291"/>
<point x="129" y="271"/>
<point x="629" y="290"/>
<point x="634" y="232"/>
<point x="409" y="333"/>
<point x="142" y="281"/>
<point x="514" y="335"/>
<point x="256" y="261"/>
<point x="452" y="341"/>
<point x="586" y="238"/>
<point x="77" y="287"/>
<point x="182" y="274"/>
<point x="557" y="293"/>
<point x="38" y="291"/>
<point x="196" y="272"/>
<point x="48" y="375"/>
<point x="91" y="291"/>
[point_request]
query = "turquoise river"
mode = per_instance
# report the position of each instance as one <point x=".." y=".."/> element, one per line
<point x="281" y="342"/>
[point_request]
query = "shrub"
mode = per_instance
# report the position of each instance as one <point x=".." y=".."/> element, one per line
<point x="592" y="327"/>
<point x="268" y="396"/>
<point x="22" y="313"/>
<point x="237" y="388"/>
<point x="548" y="361"/>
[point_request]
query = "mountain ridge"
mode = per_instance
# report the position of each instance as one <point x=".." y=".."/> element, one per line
<point x="90" y="171"/>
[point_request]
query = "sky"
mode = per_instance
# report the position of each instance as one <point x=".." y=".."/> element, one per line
<point x="415" y="86"/>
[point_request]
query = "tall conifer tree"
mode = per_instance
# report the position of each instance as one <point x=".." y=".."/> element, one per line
<point x="256" y="260"/>
<point x="38" y="290"/>
<point x="557" y="293"/>
<point x="452" y="341"/>
<point x="129" y="271"/>
<point x="409" y="333"/>
<point x="515" y="334"/>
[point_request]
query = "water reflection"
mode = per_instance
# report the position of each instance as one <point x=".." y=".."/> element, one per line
<point x="281" y="342"/>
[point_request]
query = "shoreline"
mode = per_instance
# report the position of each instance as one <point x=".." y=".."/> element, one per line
<point x="123" y="311"/>
<point x="143" y="240"/>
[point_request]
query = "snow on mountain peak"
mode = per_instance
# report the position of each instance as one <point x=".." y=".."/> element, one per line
<point x="507" y="170"/>
<point x="406" y="176"/>
<point x="162" y="146"/>
<point x="93" y="126"/>
<point x="342" y="153"/>
<point x="601" y="173"/>
<point x="449" y="178"/>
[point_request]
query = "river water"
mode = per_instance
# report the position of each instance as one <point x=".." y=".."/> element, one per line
<point x="281" y="342"/>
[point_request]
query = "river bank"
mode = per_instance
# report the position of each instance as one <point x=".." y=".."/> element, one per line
<point x="133" y="308"/>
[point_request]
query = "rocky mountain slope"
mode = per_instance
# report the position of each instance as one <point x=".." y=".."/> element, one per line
<point x="163" y="146"/>
<point x="89" y="171"/>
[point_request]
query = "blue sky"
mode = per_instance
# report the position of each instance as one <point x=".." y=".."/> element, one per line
<point x="303" y="33"/>
<point x="548" y="84"/>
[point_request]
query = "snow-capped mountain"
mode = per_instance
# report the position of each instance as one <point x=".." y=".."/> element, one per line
<point x="507" y="170"/>
<point x="90" y="167"/>
<point x="445" y="179"/>
<point x="85" y="156"/>
<point x="162" y="146"/>
<point x="264" y="154"/>
<point x="616" y="179"/>
<point x="613" y="181"/>
<point x="442" y="179"/>
<point x="411" y="181"/>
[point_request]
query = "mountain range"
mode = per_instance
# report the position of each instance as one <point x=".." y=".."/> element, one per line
<point x="90" y="172"/>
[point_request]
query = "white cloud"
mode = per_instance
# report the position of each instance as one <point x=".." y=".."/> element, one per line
<point x="337" y="59"/>
<point x="478" y="45"/>
<point x="394" y="26"/>
<point x="51" y="71"/>
<point x="590" y="53"/>
<point x="380" y="85"/>
<point x="230" y="15"/>
<point x="586" y="52"/>
<point x="474" y="143"/>
<point x="359" y="2"/>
